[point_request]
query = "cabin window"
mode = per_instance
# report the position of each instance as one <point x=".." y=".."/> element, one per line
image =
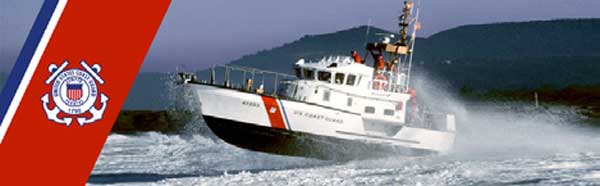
<point x="339" y="78"/>
<point x="388" y="112"/>
<point x="324" y="76"/>
<point x="370" y="110"/>
<point x="309" y="74"/>
<point x="351" y="80"/>
<point x="326" y="95"/>
<point x="349" y="103"/>
<point x="298" y="72"/>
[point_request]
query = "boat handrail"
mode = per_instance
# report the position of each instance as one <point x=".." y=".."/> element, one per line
<point x="255" y="70"/>
<point x="247" y="79"/>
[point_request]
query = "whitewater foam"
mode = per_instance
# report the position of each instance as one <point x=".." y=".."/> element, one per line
<point x="495" y="146"/>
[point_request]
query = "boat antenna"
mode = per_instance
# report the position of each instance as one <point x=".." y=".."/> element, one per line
<point x="405" y="22"/>
<point x="416" y="28"/>
<point x="368" y="29"/>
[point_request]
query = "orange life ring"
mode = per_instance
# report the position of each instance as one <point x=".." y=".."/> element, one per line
<point x="380" y="82"/>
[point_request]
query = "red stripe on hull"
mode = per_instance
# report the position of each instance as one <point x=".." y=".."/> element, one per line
<point x="274" y="113"/>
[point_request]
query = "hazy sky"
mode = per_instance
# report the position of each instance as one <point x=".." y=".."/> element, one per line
<point x="202" y="32"/>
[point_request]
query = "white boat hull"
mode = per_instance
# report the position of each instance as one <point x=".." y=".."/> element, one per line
<point x="265" y="123"/>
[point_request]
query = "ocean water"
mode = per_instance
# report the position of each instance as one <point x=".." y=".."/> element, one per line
<point x="495" y="146"/>
<point x="504" y="143"/>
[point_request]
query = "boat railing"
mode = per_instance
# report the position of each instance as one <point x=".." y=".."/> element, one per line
<point x="241" y="78"/>
<point x="389" y="82"/>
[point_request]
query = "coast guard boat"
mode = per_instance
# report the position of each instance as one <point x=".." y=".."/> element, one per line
<point x="336" y="108"/>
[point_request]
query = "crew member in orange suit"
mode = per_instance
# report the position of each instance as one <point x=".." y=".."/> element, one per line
<point x="356" y="57"/>
<point x="380" y="64"/>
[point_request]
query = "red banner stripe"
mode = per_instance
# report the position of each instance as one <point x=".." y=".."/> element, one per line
<point x="113" y="34"/>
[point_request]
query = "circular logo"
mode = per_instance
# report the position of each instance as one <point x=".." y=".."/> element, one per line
<point x="74" y="91"/>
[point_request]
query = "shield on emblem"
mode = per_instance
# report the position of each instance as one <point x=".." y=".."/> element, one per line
<point x="74" y="91"/>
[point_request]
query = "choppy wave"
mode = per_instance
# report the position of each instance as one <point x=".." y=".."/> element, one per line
<point x="154" y="156"/>
<point x="156" y="159"/>
<point x="525" y="151"/>
<point x="496" y="145"/>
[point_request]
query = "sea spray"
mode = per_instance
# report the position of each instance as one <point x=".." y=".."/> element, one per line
<point x="489" y="129"/>
<point x="184" y="104"/>
<point x="155" y="154"/>
<point x="487" y="153"/>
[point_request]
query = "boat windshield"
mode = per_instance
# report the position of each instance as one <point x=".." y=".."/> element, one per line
<point x="309" y="74"/>
<point x="324" y="76"/>
<point x="339" y="78"/>
<point x="351" y="80"/>
<point x="298" y="72"/>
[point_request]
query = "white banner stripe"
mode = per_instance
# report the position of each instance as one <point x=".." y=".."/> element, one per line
<point x="12" y="108"/>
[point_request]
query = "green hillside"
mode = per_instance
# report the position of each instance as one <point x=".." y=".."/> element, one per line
<point x="482" y="57"/>
<point x="503" y="56"/>
<point x="311" y="47"/>
<point x="574" y="37"/>
<point x="483" y="75"/>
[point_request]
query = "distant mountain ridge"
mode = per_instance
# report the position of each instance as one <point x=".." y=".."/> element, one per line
<point x="487" y="56"/>
<point x="311" y="47"/>
<point x="484" y="57"/>
<point x="523" y="55"/>
<point x="566" y="37"/>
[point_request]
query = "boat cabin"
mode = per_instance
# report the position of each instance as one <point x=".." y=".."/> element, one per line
<point x="343" y="84"/>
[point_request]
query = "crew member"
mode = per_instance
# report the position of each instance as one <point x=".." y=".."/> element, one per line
<point x="380" y="64"/>
<point x="249" y="85"/>
<point x="356" y="57"/>
<point x="390" y="66"/>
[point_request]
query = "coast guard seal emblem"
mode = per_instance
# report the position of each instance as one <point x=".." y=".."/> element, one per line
<point x="74" y="94"/>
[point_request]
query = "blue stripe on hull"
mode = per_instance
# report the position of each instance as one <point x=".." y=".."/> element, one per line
<point x="287" y="122"/>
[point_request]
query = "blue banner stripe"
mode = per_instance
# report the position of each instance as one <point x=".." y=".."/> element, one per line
<point x="31" y="44"/>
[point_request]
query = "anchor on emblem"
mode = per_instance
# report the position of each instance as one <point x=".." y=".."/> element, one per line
<point x="74" y="93"/>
